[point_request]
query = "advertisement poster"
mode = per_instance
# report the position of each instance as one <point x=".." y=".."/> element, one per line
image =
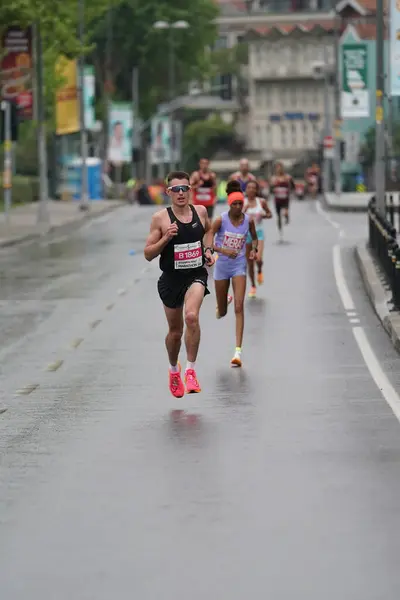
<point x="355" y="93"/>
<point x="67" y="101"/>
<point x="89" y="95"/>
<point x="16" y="70"/>
<point x="394" y="47"/>
<point x="120" y="133"/>
<point x="176" y="141"/>
<point x="160" y="140"/>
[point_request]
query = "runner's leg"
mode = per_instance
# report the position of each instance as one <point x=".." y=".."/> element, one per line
<point x="221" y="292"/>
<point x="193" y="300"/>
<point x="250" y="266"/>
<point x="239" y="289"/>
<point x="260" y="254"/>
<point x="174" y="336"/>
<point x="173" y="343"/>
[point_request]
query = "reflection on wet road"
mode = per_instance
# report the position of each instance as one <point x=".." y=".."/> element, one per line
<point x="280" y="480"/>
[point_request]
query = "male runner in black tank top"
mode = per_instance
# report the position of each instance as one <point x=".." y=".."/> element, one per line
<point x="176" y="235"/>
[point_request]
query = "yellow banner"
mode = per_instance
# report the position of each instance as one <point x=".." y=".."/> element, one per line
<point x="67" y="104"/>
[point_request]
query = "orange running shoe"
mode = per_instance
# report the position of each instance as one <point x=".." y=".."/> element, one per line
<point x="176" y="386"/>
<point x="252" y="292"/>
<point x="237" y="359"/>
<point x="260" y="278"/>
<point x="192" y="384"/>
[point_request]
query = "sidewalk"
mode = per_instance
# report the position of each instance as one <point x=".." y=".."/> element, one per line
<point x="63" y="216"/>
<point x="348" y="201"/>
<point x="379" y="295"/>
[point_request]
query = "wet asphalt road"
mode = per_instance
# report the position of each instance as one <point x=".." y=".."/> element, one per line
<point x="280" y="480"/>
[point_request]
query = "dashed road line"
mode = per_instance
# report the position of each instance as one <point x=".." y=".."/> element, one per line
<point x="76" y="342"/>
<point x="94" y="324"/>
<point x="54" y="366"/>
<point x="28" y="389"/>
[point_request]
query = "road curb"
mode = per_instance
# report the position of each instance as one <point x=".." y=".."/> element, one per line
<point x="378" y="295"/>
<point x="64" y="228"/>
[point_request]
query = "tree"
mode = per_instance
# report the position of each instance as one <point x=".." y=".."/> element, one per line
<point x="135" y="42"/>
<point x="367" y="152"/>
<point x="204" y="137"/>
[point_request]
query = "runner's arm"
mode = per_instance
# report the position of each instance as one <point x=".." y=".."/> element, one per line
<point x="214" y="178"/>
<point x="215" y="227"/>
<point x="156" y="241"/>
<point x="253" y="233"/>
<point x="268" y="213"/>
<point x="194" y="180"/>
<point x="208" y="235"/>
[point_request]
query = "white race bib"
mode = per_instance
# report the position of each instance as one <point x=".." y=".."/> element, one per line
<point x="234" y="241"/>
<point x="188" y="256"/>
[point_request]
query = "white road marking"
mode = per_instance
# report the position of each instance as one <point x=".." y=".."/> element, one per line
<point x="351" y="313"/>
<point x="375" y="369"/>
<point x="341" y="284"/>
<point x="325" y="216"/>
<point x="354" y="320"/>
<point x="380" y="378"/>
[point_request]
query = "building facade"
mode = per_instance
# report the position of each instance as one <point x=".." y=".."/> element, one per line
<point x="290" y="103"/>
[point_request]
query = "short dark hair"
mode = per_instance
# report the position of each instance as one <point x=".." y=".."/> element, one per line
<point x="177" y="175"/>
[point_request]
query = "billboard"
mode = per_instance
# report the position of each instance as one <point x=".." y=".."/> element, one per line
<point x="120" y="121"/>
<point x="394" y="56"/>
<point x="355" y="101"/>
<point x="89" y="95"/>
<point x="67" y="100"/>
<point x="16" y="70"/>
<point x="160" y="140"/>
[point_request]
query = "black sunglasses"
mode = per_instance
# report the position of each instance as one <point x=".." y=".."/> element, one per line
<point x="179" y="188"/>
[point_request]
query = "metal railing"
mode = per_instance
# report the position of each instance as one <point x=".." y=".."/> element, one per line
<point x="383" y="244"/>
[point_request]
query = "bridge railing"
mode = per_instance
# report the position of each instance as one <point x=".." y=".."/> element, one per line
<point x="383" y="245"/>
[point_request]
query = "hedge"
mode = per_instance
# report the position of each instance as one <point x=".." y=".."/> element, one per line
<point x="24" y="189"/>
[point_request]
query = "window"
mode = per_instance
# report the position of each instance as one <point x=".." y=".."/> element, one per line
<point x="305" y="134"/>
<point x="268" y="137"/>
<point x="283" y="136"/>
<point x="294" y="136"/>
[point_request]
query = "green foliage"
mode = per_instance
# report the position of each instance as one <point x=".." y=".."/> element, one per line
<point x="135" y="42"/>
<point x="368" y="147"/>
<point x="24" y="189"/>
<point x="204" y="137"/>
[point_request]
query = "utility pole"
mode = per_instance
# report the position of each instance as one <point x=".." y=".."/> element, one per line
<point x="43" y="213"/>
<point x="327" y="123"/>
<point x="337" y="128"/>
<point x="135" y="120"/>
<point x="84" y="202"/>
<point x="7" y="174"/>
<point x="379" y="118"/>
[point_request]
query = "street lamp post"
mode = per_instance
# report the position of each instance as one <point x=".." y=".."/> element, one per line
<point x="84" y="203"/>
<point x="379" y="121"/>
<point x="170" y="27"/>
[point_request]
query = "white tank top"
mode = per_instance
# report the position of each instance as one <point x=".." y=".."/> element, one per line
<point x="254" y="211"/>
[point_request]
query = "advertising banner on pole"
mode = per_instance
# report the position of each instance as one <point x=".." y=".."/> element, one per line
<point x="67" y="101"/>
<point x="89" y="94"/>
<point x="355" y="92"/>
<point x="394" y="56"/>
<point x="16" y="70"/>
<point x="120" y="133"/>
<point x="160" y="140"/>
<point x="176" y="141"/>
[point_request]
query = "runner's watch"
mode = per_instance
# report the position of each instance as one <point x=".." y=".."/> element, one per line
<point x="210" y="249"/>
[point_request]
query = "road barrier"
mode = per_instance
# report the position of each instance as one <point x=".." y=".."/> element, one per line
<point x="383" y="244"/>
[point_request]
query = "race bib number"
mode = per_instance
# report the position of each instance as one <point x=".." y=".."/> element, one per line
<point x="234" y="241"/>
<point x="281" y="193"/>
<point x="188" y="256"/>
<point x="204" y="195"/>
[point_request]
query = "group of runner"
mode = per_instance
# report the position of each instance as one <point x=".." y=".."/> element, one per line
<point x="186" y="240"/>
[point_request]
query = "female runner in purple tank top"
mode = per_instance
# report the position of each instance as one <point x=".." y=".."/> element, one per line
<point x="230" y="231"/>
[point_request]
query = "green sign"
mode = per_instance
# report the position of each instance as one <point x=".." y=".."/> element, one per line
<point x="355" y="102"/>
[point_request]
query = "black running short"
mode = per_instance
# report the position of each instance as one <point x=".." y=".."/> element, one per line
<point x="281" y="204"/>
<point x="172" y="288"/>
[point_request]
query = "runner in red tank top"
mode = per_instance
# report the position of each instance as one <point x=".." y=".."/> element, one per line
<point x="281" y="186"/>
<point x="204" y="187"/>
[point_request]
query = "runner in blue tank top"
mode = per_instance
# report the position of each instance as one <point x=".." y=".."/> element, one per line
<point x="231" y="230"/>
